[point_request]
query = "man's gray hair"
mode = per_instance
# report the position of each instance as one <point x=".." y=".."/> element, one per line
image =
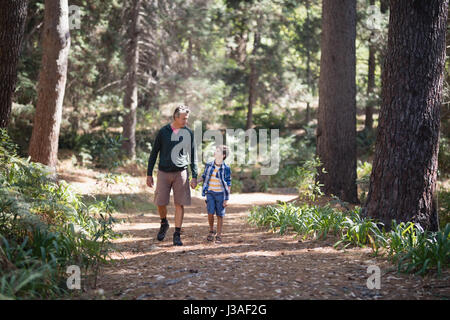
<point x="180" y="109"/>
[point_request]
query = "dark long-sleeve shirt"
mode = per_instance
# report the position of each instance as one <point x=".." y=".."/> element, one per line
<point x="164" y="146"/>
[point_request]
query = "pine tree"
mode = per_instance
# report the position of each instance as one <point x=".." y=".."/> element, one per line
<point x="403" y="179"/>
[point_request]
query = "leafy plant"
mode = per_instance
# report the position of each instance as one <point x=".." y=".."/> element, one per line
<point x="44" y="227"/>
<point x="406" y="244"/>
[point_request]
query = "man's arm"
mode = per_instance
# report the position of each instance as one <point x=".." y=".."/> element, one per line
<point x="193" y="157"/>
<point x="154" y="154"/>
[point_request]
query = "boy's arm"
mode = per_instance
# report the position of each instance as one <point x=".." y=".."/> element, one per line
<point x="228" y="182"/>
<point x="228" y="178"/>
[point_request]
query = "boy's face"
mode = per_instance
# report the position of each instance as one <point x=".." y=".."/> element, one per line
<point x="218" y="155"/>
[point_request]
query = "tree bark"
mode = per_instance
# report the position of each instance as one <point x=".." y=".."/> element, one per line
<point x="308" y="63"/>
<point x="368" y="121"/>
<point x="253" y="81"/>
<point x="12" y="21"/>
<point x="403" y="179"/>
<point x="52" y="83"/>
<point x="336" y="132"/>
<point x="131" y="94"/>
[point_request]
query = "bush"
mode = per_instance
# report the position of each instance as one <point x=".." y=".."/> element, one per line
<point x="413" y="249"/>
<point x="101" y="149"/>
<point x="44" y="228"/>
<point x="417" y="250"/>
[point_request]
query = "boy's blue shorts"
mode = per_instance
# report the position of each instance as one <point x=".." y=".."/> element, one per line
<point x="214" y="203"/>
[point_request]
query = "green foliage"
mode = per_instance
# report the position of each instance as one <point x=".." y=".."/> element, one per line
<point x="413" y="249"/>
<point x="44" y="228"/>
<point x="307" y="182"/>
<point x="101" y="149"/>
<point x="307" y="220"/>
<point x="365" y="141"/>
<point x="359" y="231"/>
<point x="444" y="207"/>
<point x="21" y="126"/>
<point x="363" y="171"/>
<point x="417" y="250"/>
<point x="444" y="156"/>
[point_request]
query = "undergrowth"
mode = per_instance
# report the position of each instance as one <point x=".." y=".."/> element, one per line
<point x="406" y="244"/>
<point x="44" y="228"/>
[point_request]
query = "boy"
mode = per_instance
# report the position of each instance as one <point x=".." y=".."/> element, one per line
<point x="216" y="186"/>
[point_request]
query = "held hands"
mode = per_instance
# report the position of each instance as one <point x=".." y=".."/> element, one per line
<point x="193" y="183"/>
<point x="225" y="203"/>
<point x="150" y="181"/>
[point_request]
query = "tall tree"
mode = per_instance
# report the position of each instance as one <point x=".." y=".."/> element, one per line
<point x="368" y="122"/>
<point x="403" y="179"/>
<point x="131" y="93"/>
<point x="12" y="21"/>
<point x="253" y="79"/>
<point x="52" y="83"/>
<point x="336" y="132"/>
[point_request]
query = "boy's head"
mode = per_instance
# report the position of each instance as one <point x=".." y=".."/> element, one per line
<point x="221" y="153"/>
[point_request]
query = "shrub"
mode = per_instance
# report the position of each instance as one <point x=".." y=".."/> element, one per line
<point x="406" y="244"/>
<point x="102" y="149"/>
<point x="44" y="227"/>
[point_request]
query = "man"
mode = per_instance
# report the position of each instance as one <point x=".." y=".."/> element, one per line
<point x="176" y="147"/>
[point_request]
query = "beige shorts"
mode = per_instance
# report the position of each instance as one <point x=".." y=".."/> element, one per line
<point x="179" y="182"/>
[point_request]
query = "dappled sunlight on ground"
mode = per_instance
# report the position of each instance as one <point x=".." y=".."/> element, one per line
<point x="251" y="262"/>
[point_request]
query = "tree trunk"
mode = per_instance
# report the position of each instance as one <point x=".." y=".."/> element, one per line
<point x="253" y="81"/>
<point x="131" y="93"/>
<point x="403" y="179"/>
<point x="368" y="122"/>
<point x="308" y="63"/>
<point x="52" y="83"/>
<point x="336" y="132"/>
<point x="12" y="21"/>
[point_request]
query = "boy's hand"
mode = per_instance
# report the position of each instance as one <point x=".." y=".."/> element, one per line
<point x="225" y="203"/>
<point x="193" y="183"/>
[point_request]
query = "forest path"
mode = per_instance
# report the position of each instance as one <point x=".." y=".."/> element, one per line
<point x="251" y="263"/>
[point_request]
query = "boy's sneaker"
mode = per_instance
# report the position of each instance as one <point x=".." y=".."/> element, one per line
<point x="177" y="239"/>
<point x="162" y="231"/>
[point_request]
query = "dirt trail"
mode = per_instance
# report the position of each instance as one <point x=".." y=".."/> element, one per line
<point x="251" y="263"/>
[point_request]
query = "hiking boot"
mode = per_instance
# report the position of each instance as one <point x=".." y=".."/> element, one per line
<point x="162" y="231"/>
<point x="177" y="239"/>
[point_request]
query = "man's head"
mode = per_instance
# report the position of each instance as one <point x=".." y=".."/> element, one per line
<point x="181" y="116"/>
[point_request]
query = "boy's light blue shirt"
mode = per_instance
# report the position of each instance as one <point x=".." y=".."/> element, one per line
<point x="224" y="175"/>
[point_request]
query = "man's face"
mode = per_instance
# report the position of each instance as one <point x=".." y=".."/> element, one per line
<point x="182" y="120"/>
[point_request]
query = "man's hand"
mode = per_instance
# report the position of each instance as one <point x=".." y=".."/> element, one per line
<point x="225" y="203"/>
<point x="193" y="183"/>
<point x="150" y="181"/>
